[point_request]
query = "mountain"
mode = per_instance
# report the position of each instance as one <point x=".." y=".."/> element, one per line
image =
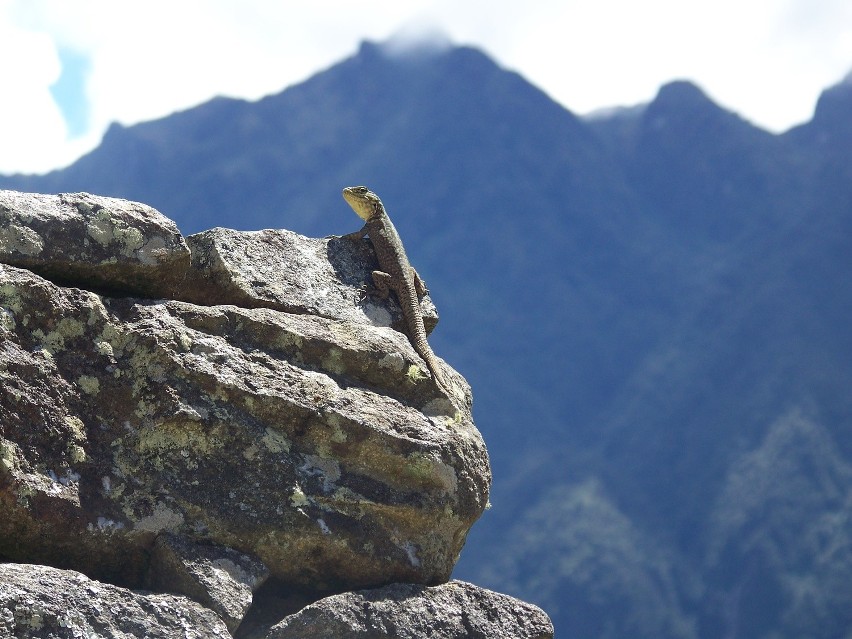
<point x="652" y="308"/>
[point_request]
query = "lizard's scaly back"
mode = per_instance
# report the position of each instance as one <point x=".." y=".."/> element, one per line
<point x="396" y="273"/>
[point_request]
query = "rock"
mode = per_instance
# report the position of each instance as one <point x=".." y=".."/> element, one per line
<point x="456" y="610"/>
<point x="127" y="248"/>
<point x="319" y="445"/>
<point x="220" y="578"/>
<point x="190" y="424"/>
<point x="93" y="242"/>
<point x="41" y="602"/>
<point x="254" y="429"/>
<point x="286" y="271"/>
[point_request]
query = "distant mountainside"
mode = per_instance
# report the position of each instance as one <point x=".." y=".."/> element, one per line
<point x="653" y="309"/>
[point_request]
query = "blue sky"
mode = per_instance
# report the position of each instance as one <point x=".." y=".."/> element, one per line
<point x="69" y="91"/>
<point x="72" y="67"/>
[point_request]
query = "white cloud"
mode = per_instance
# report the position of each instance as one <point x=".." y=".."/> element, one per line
<point x="29" y="120"/>
<point x="764" y="59"/>
<point x="154" y="58"/>
<point x="612" y="52"/>
<point x="417" y="37"/>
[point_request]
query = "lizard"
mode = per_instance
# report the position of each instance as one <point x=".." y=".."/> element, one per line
<point x="397" y="274"/>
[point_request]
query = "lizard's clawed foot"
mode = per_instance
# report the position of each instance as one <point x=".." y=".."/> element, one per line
<point x="362" y="293"/>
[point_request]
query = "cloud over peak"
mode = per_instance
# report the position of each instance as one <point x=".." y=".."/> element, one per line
<point x="416" y="39"/>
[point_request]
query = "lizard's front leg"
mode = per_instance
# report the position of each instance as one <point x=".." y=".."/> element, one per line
<point x="382" y="282"/>
<point x="356" y="235"/>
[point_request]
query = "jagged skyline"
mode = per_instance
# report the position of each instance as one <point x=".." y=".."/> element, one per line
<point x="78" y="66"/>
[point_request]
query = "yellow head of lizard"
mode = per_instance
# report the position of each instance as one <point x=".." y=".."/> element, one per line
<point x="363" y="201"/>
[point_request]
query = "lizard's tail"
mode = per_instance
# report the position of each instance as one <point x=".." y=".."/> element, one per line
<point x="437" y="374"/>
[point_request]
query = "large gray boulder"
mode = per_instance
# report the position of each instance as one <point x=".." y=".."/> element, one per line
<point x="39" y="602"/>
<point x="44" y="602"/>
<point x="221" y="578"/>
<point x="289" y="272"/>
<point x="113" y="245"/>
<point x="93" y="242"/>
<point x="315" y="441"/>
<point x="193" y="416"/>
<point x="456" y="610"/>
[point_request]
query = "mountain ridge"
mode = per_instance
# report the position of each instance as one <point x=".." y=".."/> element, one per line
<point x="638" y="303"/>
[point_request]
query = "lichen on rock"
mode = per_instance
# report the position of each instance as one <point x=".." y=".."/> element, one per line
<point x="93" y="242"/>
<point x="40" y="602"/>
<point x="285" y="435"/>
<point x="230" y="406"/>
<point x="455" y="610"/>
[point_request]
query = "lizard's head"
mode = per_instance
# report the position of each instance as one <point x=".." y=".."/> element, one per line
<point x="363" y="201"/>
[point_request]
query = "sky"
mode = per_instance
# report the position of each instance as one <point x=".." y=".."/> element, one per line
<point x="69" y="68"/>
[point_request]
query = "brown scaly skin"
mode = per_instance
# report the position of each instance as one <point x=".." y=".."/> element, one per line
<point x="397" y="274"/>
